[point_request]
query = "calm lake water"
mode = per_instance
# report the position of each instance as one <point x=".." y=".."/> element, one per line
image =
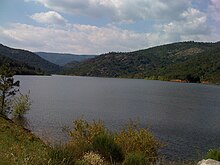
<point x="184" y="116"/>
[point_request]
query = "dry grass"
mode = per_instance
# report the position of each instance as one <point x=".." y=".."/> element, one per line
<point x="20" y="146"/>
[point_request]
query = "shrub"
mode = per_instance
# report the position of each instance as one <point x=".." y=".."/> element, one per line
<point x="83" y="134"/>
<point x="133" y="139"/>
<point x="91" y="158"/>
<point x="106" y="146"/>
<point x="62" y="156"/>
<point x="94" y="136"/>
<point x="135" y="159"/>
<point x="213" y="154"/>
<point x="21" y="105"/>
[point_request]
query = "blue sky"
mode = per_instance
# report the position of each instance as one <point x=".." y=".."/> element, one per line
<point x="100" y="26"/>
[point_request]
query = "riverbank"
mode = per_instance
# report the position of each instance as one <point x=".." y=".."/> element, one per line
<point x="19" y="145"/>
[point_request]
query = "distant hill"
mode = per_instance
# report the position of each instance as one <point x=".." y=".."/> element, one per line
<point x="19" y="68"/>
<point x="29" y="58"/>
<point x="184" y="61"/>
<point x="63" y="59"/>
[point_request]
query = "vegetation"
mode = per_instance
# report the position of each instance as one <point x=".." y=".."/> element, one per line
<point x="27" y="58"/>
<point x="136" y="158"/>
<point x="60" y="155"/>
<point x="18" y="106"/>
<point x="19" y="68"/>
<point x="95" y="137"/>
<point x="8" y="88"/>
<point x="213" y="154"/>
<point x="133" y="139"/>
<point x="19" y="146"/>
<point x="21" y="105"/>
<point x="91" y="158"/>
<point x="106" y="145"/>
<point x="186" y="61"/>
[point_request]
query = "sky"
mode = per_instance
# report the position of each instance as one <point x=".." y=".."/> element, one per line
<point x="101" y="26"/>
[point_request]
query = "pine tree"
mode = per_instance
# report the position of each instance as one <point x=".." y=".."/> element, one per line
<point x="8" y="88"/>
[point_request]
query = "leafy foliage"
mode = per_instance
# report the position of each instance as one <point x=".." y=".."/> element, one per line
<point x="83" y="134"/>
<point x="106" y="146"/>
<point x="8" y="88"/>
<point x="94" y="136"/>
<point x="213" y="154"/>
<point x="21" y="105"/>
<point x="189" y="61"/>
<point x="138" y="140"/>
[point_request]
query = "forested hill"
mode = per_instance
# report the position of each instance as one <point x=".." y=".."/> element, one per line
<point x="63" y="59"/>
<point x="19" y="68"/>
<point x="186" y="61"/>
<point x="28" y="58"/>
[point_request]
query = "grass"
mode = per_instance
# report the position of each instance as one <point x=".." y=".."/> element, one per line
<point x="20" y="146"/>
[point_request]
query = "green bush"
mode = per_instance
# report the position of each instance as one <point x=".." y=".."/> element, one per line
<point x="83" y="134"/>
<point x="95" y="137"/>
<point x="21" y="105"/>
<point x="106" y="146"/>
<point x="135" y="159"/>
<point x="213" y="154"/>
<point x="138" y="140"/>
<point x="62" y="156"/>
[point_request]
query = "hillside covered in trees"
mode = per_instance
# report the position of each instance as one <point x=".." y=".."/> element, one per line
<point x="20" y="68"/>
<point x="183" y="61"/>
<point x="18" y="58"/>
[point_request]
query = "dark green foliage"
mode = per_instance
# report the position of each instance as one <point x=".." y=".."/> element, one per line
<point x="213" y="154"/>
<point x="19" y="68"/>
<point x="8" y="88"/>
<point x="107" y="147"/>
<point x="28" y="58"/>
<point x="189" y="61"/>
<point x="61" y="155"/>
<point x="136" y="159"/>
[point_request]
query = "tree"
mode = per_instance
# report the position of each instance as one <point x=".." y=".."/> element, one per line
<point x="8" y="88"/>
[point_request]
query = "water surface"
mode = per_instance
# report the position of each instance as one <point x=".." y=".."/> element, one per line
<point x="184" y="116"/>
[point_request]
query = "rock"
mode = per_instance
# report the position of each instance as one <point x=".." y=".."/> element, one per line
<point x="208" y="162"/>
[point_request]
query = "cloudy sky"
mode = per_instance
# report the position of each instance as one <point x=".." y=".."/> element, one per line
<point x="100" y="26"/>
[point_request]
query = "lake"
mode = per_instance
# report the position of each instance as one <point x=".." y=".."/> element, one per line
<point x="185" y="116"/>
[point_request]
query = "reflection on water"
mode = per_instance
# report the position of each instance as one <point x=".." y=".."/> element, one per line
<point x="184" y="116"/>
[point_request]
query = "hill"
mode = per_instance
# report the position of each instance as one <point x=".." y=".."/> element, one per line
<point x="20" y="68"/>
<point x="28" y="58"/>
<point x="183" y="61"/>
<point x="62" y="59"/>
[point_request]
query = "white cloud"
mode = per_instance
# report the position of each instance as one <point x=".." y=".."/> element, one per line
<point x="87" y="39"/>
<point x="214" y="8"/>
<point x="75" y="39"/>
<point x="50" y="17"/>
<point x="192" y="26"/>
<point x="121" y="10"/>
